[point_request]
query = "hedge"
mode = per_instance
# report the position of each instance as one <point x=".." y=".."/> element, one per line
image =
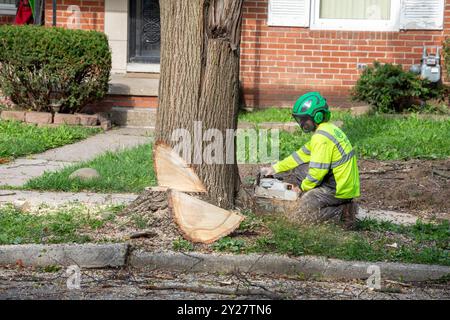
<point x="43" y="68"/>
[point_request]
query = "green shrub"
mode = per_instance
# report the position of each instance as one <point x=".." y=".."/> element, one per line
<point x="446" y="47"/>
<point x="390" y="88"/>
<point x="44" y="66"/>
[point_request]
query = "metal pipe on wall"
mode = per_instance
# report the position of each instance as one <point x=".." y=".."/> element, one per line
<point x="54" y="13"/>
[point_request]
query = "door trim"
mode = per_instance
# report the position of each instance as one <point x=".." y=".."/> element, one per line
<point x="144" y="67"/>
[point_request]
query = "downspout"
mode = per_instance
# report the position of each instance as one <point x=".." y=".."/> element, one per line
<point x="39" y="11"/>
<point x="54" y="13"/>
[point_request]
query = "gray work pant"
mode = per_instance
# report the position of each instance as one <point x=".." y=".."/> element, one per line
<point x="318" y="204"/>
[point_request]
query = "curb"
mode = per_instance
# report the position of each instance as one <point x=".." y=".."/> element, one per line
<point x="85" y="256"/>
<point x="307" y="266"/>
<point x="92" y="256"/>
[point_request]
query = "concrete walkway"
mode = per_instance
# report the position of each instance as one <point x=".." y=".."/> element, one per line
<point x="35" y="199"/>
<point x="17" y="173"/>
<point x="387" y="216"/>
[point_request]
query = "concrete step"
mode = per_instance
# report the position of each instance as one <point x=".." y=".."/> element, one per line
<point x="133" y="117"/>
<point x="132" y="85"/>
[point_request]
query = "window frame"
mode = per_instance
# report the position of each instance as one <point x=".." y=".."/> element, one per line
<point x="318" y="23"/>
<point x="272" y="20"/>
<point x="8" y="9"/>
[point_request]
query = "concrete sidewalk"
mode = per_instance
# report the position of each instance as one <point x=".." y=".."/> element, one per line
<point x="35" y="199"/>
<point x="17" y="173"/>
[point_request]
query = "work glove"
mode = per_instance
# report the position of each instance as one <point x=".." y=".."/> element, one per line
<point x="267" y="171"/>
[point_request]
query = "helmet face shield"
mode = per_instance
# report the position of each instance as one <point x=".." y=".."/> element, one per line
<point x="307" y="126"/>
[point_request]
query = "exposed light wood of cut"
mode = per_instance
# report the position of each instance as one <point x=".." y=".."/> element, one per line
<point x="200" y="221"/>
<point x="173" y="172"/>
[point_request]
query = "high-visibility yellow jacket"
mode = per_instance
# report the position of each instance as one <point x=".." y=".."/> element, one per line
<point x="328" y="152"/>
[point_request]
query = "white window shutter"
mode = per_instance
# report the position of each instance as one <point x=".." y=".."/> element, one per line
<point x="422" y="14"/>
<point x="289" y="13"/>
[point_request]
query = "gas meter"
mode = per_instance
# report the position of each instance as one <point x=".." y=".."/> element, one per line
<point x="430" y="68"/>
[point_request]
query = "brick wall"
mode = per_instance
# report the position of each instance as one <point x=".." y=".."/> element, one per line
<point x="91" y="17"/>
<point x="111" y="101"/>
<point x="280" y="63"/>
<point x="6" y="19"/>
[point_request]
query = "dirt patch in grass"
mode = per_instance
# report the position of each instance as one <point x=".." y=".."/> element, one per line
<point x="408" y="186"/>
<point x="413" y="186"/>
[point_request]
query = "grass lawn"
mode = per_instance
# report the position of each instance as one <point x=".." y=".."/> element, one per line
<point x="18" y="139"/>
<point x="382" y="138"/>
<point x="130" y="170"/>
<point x="65" y="225"/>
<point x="373" y="136"/>
<point x="372" y="241"/>
<point x="278" y="115"/>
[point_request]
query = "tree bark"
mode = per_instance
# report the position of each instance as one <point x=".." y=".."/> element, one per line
<point x="200" y="81"/>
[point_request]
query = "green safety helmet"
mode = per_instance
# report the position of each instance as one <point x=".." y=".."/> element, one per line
<point x="311" y="106"/>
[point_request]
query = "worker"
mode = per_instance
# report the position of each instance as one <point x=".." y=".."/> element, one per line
<point x="325" y="169"/>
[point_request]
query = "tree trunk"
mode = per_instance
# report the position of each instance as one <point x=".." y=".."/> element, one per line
<point x="200" y="82"/>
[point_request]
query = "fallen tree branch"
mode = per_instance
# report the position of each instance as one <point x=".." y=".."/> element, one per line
<point x="7" y="194"/>
<point x="144" y="234"/>
<point x="440" y="174"/>
<point x="389" y="178"/>
<point x="241" y="277"/>
<point x="213" y="290"/>
<point x="398" y="283"/>
<point x="385" y="171"/>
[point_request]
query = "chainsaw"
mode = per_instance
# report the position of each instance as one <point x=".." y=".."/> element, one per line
<point x="272" y="188"/>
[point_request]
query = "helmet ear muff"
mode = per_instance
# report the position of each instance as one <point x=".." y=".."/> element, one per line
<point x="319" y="117"/>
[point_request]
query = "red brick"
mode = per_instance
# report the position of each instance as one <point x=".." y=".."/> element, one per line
<point x="92" y="13"/>
<point x="69" y="119"/>
<point x="39" y="117"/>
<point x="297" y="55"/>
<point x="6" y="19"/>
<point x="13" y="115"/>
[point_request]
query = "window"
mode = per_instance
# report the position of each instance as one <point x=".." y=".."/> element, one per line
<point x="289" y="13"/>
<point x="364" y="15"/>
<point x="358" y="15"/>
<point x="8" y="7"/>
<point x="351" y="9"/>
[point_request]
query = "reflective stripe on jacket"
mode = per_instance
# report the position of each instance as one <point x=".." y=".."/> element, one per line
<point x="328" y="152"/>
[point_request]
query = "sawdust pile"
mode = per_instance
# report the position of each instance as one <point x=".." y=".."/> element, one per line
<point x="152" y="208"/>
